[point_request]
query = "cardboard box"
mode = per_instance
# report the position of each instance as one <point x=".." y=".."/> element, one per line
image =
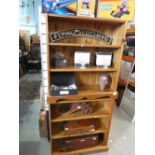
<point x="86" y="8"/>
<point x="35" y="39"/>
<point x="123" y="9"/>
<point x="60" y="7"/>
<point x="42" y="124"/>
<point x="25" y="35"/>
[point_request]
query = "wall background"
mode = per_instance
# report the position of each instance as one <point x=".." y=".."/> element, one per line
<point x="29" y="15"/>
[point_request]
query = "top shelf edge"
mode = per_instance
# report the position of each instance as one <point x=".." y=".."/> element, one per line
<point x="91" y="19"/>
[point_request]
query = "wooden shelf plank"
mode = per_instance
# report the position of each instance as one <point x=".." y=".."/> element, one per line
<point x="84" y="93"/>
<point x="130" y="31"/>
<point x="81" y="101"/>
<point x="84" y="45"/>
<point x="99" y="113"/>
<point x="128" y="58"/>
<point x="131" y="83"/>
<point x="87" y="19"/>
<point x="87" y="150"/>
<point x="122" y="82"/>
<point x="88" y="69"/>
<point x="61" y="134"/>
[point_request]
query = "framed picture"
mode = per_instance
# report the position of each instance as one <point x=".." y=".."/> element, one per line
<point x="122" y="9"/>
<point x="60" y="7"/>
<point x="86" y="8"/>
<point x="81" y="59"/>
<point x="103" y="59"/>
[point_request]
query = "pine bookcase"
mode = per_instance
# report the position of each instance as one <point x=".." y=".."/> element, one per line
<point x="86" y="79"/>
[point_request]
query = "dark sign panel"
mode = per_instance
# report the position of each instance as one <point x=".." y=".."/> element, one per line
<point x="55" y="36"/>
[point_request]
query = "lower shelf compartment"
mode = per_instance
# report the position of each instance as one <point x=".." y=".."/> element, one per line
<point x="101" y="126"/>
<point x="59" y="147"/>
<point x="100" y="110"/>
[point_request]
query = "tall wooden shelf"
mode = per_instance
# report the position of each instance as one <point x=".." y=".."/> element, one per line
<point x="88" y="85"/>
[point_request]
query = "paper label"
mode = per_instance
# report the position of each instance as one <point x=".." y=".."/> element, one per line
<point x="103" y="60"/>
<point x="64" y="92"/>
<point x="82" y="58"/>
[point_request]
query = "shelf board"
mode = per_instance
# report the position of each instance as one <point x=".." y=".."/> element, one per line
<point x="124" y="83"/>
<point x="131" y="83"/>
<point x="81" y="101"/>
<point x="97" y="148"/>
<point x="130" y="31"/>
<point x="58" y="133"/>
<point x="62" y="135"/>
<point x="87" y="19"/>
<point x="99" y="113"/>
<point x="128" y="58"/>
<point x="84" y="93"/>
<point x="83" y="45"/>
<point x="88" y="69"/>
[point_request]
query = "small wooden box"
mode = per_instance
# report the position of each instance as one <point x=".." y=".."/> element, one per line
<point x="82" y="143"/>
<point x="42" y="124"/>
<point x="79" y="127"/>
<point x="35" y="39"/>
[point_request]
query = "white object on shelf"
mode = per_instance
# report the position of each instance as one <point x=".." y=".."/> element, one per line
<point x="103" y="59"/>
<point x="82" y="58"/>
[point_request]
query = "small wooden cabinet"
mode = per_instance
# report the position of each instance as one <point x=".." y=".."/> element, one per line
<point x="87" y="79"/>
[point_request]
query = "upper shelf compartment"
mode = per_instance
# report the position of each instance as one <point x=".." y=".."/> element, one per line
<point x="85" y="32"/>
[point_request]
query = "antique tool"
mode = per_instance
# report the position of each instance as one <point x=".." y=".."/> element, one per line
<point x="67" y="109"/>
<point x="86" y="108"/>
<point x="81" y="143"/>
<point x="79" y="127"/>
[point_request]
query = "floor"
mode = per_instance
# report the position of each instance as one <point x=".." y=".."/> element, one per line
<point x="121" y="140"/>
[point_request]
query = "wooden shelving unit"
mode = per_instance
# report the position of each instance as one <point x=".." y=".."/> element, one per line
<point x="129" y="32"/>
<point x="87" y="79"/>
<point x="128" y="58"/>
<point x="124" y="83"/>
